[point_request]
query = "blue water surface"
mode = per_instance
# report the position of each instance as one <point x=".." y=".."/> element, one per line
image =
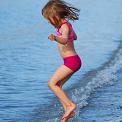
<point x="28" y="59"/>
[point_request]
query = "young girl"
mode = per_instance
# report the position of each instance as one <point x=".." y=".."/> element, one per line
<point x="58" y="13"/>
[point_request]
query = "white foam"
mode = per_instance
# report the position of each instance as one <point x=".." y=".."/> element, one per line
<point x="103" y="77"/>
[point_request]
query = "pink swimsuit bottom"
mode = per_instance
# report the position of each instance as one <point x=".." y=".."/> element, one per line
<point x="73" y="62"/>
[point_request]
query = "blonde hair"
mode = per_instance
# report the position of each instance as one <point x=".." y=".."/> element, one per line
<point x="60" y="9"/>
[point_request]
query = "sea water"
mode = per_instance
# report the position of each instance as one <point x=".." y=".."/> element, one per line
<point x="28" y="59"/>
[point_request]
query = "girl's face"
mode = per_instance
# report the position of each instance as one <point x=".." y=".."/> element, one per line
<point x="53" y="22"/>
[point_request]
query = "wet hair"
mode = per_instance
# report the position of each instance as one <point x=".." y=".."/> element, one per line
<point x="59" y="9"/>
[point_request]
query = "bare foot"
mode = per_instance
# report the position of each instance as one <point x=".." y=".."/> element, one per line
<point x="64" y="120"/>
<point x="70" y="116"/>
<point x="69" y="110"/>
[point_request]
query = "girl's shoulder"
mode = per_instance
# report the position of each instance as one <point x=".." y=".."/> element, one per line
<point x="66" y="26"/>
<point x="63" y="27"/>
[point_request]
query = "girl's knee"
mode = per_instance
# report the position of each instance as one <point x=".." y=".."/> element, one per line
<point x="51" y="84"/>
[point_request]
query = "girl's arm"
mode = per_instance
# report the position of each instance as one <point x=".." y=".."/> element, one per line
<point x="63" y="39"/>
<point x="60" y="40"/>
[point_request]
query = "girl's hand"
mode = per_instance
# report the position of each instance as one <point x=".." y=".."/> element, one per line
<point x="51" y="37"/>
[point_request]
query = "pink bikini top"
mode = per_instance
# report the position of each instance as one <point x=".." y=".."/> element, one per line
<point x="71" y="33"/>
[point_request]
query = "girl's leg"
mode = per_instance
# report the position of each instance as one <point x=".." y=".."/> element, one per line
<point x="64" y="106"/>
<point x="60" y="74"/>
<point x="60" y="84"/>
<point x="65" y="79"/>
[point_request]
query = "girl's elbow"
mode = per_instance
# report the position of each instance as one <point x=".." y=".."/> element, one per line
<point x="65" y="42"/>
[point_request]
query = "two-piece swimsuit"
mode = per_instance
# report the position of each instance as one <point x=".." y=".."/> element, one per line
<point x="73" y="62"/>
